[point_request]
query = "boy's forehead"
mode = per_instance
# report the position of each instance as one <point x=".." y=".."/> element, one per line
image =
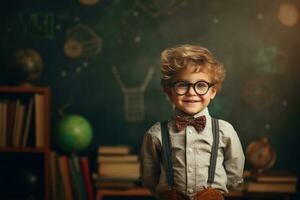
<point x="192" y="73"/>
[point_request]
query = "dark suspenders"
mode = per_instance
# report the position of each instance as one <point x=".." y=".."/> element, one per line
<point x="214" y="151"/>
<point x="168" y="158"/>
<point x="167" y="152"/>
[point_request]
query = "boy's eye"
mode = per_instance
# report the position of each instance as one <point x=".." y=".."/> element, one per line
<point x="201" y="85"/>
<point x="181" y="84"/>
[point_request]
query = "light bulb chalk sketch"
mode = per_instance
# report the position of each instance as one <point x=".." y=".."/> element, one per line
<point x="133" y="97"/>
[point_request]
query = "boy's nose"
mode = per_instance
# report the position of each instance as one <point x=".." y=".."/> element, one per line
<point x="191" y="91"/>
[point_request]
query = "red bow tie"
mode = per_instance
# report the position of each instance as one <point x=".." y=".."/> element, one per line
<point x="181" y="122"/>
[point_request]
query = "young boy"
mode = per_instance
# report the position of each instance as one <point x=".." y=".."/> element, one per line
<point x="205" y="156"/>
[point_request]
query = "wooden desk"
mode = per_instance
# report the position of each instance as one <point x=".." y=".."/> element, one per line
<point x="144" y="192"/>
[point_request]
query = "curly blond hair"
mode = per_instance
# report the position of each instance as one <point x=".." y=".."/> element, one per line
<point x="179" y="57"/>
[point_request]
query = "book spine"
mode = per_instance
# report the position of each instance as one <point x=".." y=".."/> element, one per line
<point x="84" y="163"/>
<point x="65" y="172"/>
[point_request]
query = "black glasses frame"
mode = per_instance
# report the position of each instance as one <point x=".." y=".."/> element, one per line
<point x="193" y="85"/>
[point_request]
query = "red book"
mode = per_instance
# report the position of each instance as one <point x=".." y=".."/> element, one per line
<point x="84" y="163"/>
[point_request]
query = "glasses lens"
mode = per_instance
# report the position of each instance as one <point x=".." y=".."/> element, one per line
<point x="201" y="87"/>
<point x="181" y="87"/>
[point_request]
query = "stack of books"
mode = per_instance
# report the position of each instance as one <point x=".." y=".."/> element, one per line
<point x="273" y="182"/>
<point x="70" y="177"/>
<point x="117" y="167"/>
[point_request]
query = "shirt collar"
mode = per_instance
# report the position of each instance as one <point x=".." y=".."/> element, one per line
<point x="203" y="112"/>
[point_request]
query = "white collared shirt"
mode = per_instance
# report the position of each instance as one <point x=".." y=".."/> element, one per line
<point x="191" y="153"/>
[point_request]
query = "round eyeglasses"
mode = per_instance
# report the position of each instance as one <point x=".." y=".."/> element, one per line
<point x="182" y="87"/>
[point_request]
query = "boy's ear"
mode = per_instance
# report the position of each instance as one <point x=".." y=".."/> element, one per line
<point x="168" y="92"/>
<point x="213" y="93"/>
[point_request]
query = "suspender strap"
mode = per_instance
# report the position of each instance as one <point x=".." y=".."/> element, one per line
<point x="167" y="152"/>
<point x="214" y="151"/>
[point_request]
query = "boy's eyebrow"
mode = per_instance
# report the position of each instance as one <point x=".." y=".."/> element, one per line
<point x="190" y="82"/>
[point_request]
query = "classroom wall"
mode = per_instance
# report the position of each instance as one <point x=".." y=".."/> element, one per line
<point x="111" y="73"/>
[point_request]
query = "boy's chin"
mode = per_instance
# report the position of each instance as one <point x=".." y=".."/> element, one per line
<point x="191" y="111"/>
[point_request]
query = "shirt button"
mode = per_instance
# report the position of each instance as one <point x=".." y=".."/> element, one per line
<point x="190" y="169"/>
<point x="190" y="191"/>
<point x="190" y="150"/>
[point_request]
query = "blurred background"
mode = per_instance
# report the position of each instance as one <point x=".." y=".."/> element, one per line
<point x="101" y="60"/>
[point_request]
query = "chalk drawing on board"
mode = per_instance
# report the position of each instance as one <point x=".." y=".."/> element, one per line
<point x="78" y="69"/>
<point x="35" y="25"/>
<point x="270" y="60"/>
<point x="133" y="97"/>
<point x="157" y="8"/>
<point x="259" y="94"/>
<point x="81" y="41"/>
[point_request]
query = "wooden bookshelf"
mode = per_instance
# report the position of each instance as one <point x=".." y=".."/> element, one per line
<point x="21" y="138"/>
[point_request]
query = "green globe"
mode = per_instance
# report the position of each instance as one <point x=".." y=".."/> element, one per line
<point x="73" y="133"/>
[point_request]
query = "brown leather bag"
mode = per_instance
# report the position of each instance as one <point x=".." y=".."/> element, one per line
<point x="209" y="194"/>
<point x="206" y="194"/>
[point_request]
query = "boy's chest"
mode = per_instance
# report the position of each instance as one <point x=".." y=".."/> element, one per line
<point x="190" y="139"/>
<point x="190" y="146"/>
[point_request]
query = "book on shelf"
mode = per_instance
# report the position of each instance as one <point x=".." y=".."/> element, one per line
<point x="39" y="120"/>
<point x="266" y="187"/>
<point x="66" y="177"/>
<point x="76" y="190"/>
<point x="85" y="167"/>
<point x="120" y="170"/>
<point x="28" y="121"/>
<point x="117" y="158"/>
<point x="53" y="178"/>
<point x="76" y="177"/>
<point x="16" y="123"/>
<point x="11" y="110"/>
<point x="59" y="180"/>
<point x="19" y="123"/>
<point x="275" y="176"/>
<point x="120" y="149"/>
<point x="3" y="118"/>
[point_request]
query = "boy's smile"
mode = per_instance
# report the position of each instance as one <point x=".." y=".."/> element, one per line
<point x="191" y="102"/>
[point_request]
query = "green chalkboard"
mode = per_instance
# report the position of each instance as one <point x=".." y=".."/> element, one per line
<point x="102" y="58"/>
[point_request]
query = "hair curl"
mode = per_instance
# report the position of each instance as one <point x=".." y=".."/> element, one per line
<point x="179" y="57"/>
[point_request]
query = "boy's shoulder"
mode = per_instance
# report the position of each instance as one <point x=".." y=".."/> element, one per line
<point x="155" y="130"/>
<point x="225" y="124"/>
<point x="226" y="128"/>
